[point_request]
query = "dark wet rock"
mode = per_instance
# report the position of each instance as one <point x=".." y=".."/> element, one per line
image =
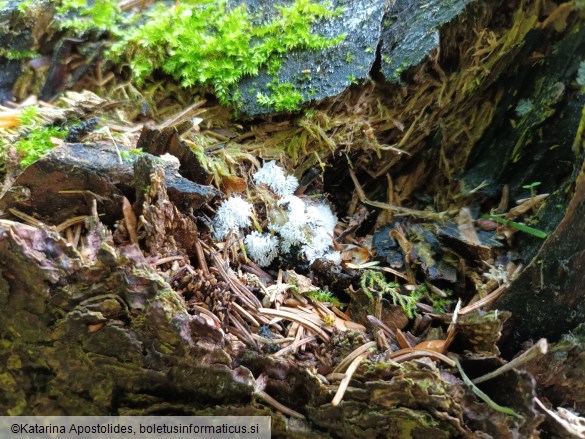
<point x="383" y="242"/>
<point x="411" y="31"/>
<point x="62" y="184"/>
<point x="328" y="71"/>
<point x="406" y="31"/>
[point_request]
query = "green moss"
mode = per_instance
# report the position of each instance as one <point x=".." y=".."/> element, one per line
<point x="207" y="44"/>
<point x="97" y="14"/>
<point x="284" y="97"/>
<point x="352" y="79"/>
<point x="29" y="116"/>
<point x="37" y="143"/>
<point x="374" y="282"/>
<point x="324" y="296"/>
<point x="17" y="54"/>
<point x="130" y="155"/>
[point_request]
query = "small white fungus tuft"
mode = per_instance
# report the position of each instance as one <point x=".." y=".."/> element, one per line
<point x="261" y="247"/>
<point x="274" y="177"/>
<point x="296" y="224"/>
<point x="233" y="215"/>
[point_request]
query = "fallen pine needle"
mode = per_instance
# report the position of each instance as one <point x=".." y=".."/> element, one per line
<point x="294" y="346"/>
<point x="246" y="314"/>
<point x="411" y="353"/>
<point x="301" y="320"/>
<point x="353" y="355"/>
<point x="277" y="405"/>
<point x="207" y="313"/>
<point x="259" y="387"/>
<point x="536" y="350"/>
<point x="348" y="374"/>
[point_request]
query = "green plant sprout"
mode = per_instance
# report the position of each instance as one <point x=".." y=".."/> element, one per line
<point x="29" y="116"/>
<point x="439" y="304"/>
<point x="352" y="79"/>
<point x="532" y="187"/>
<point x="18" y="54"/>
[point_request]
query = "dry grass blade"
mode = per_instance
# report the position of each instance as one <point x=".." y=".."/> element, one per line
<point x="391" y="271"/>
<point x="162" y="261"/>
<point x="298" y="318"/>
<point x="340" y="314"/>
<point x="9" y="119"/>
<point x="243" y="333"/>
<point x="201" y="257"/>
<point x="383" y="344"/>
<point x="348" y="375"/>
<point x="381" y="325"/>
<point x="492" y="297"/>
<point x="187" y="112"/>
<point x="234" y="283"/>
<point x="525" y="206"/>
<point x="27" y="218"/>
